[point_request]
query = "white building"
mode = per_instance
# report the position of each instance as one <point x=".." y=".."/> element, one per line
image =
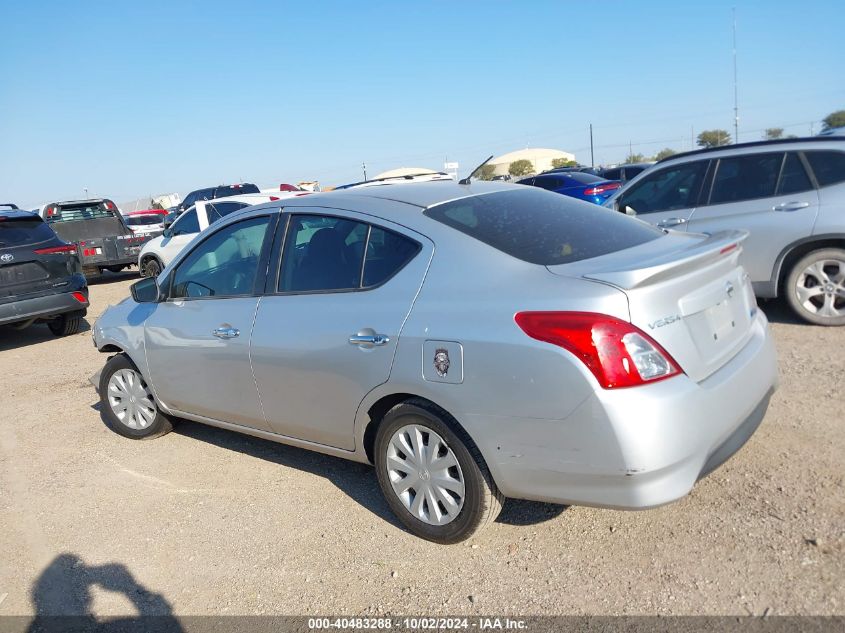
<point x="541" y="159"/>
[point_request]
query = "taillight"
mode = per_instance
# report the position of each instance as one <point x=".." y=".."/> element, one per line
<point x="109" y="205"/>
<point x="273" y="198"/>
<point x="618" y="353"/>
<point x="79" y="297"/>
<point x="594" y="191"/>
<point x="53" y="250"/>
<point x="52" y="210"/>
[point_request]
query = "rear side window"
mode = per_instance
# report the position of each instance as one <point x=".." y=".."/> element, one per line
<point x="746" y="177"/>
<point x="541" y="227"/>
<point x="828" y="166"/>
<point x="612" y="174"/>
<point x="325" y="253"/>
<point x="547" y="182"/>
<point x="219" y="210"/>
<point x="23" y="231"/>
<point x="84" y="211"/>
<point x="582" y="178"/>
<point x="793" y="176"/>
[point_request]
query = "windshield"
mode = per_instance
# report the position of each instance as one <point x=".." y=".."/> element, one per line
<point x="81" y="211"/>
<point x="143" y="220"/>
<point x="540" y="227"/>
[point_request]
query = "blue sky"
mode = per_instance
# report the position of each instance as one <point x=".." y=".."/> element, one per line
<point x="131" y="99"/>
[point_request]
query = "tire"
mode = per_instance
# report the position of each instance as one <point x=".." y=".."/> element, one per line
<point x="66" y="324"/>
<point x="152" y="268"/>
<point x="815" y="288"/>
<point x="451" y="518"/>
<point x="138" y="419"/>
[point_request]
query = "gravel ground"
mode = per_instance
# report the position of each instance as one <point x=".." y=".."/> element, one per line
<point x="205" y="521"/>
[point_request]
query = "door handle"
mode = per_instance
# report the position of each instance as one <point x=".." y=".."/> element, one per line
<point x="790" y="206"/>
<point x="368" y="338"/>
<point x="671" y="222"/>
<point x="226" y="332"/>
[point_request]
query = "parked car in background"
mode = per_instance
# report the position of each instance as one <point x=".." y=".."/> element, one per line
<point x="212" y="193"/>
<point x="789" y="194"/>
<point x="578" y="185"/>
<point x="580" y="168"/>
<point x="395" y="180"/>
<point x="105" y="241"/>
<point x="624" y="173"/>
<point x="834" y="131"/>
<point x="615" y="364"/>
<point x="159" y="251"/>
<point x="41" y="278"/>
<point x="147" y="222"/>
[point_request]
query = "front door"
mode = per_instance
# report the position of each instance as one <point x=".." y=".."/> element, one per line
<point x="197" y="340"/>
<point x="328" y="335"/>
<point x="666" y="198"/>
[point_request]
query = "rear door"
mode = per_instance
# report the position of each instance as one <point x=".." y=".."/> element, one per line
<point x="327" y="334"/>
<point x="768" y="194"/>
<point x="666" y="197"/>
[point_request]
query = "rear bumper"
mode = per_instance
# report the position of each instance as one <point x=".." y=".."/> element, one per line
<point x="41" y="307"/>
<point x="637" y="448"/>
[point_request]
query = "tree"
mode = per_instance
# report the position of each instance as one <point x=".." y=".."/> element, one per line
<point x="664" y="153"/>
<point x="713" y="138"/>
<point x="563" y="162"/>
<point x="773" y="133"/>
<point x="834" y="119"/>
<point x="487" y="172"/>
<point x="521" y="167"/>
<point x="635" y="158"/>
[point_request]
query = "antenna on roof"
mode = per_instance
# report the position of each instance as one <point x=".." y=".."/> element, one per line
<point x="465" y="181"/>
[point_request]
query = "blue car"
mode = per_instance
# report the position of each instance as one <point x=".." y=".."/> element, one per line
<point x="575" y="184"/>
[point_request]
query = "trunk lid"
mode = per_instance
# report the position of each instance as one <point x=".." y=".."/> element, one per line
<point x="686" y="291"/>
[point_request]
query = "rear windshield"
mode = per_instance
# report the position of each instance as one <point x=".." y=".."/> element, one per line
<point x="84" y="211"/>
<point x="544" y="228"/>
<point x="583" y="177"/>
<point x="234" y="190"/>
<point x="143" y="220"/>
<point x="21" y="231"/>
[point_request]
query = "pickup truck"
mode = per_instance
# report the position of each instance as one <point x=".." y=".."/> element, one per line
<point x="96" y="226"/>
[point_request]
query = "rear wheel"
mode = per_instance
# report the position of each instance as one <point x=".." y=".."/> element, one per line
<point x="152" y="268"/>
<point x="66" y="324"/>
<point x="815" y="288"/>
<point x="127" y="402"/>
<point x="432" y="474"/>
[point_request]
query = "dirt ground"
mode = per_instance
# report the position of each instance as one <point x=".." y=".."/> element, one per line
<point x="205" y="521"/>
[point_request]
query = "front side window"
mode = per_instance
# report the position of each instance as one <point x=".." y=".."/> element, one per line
<point x="670" y="188"/>
<point x="223" y="265"/>
<point x="187" y="223"/>
<point x="828" y="166"/>
<point x="326" y="253"/>
<point x="745" y="178"/>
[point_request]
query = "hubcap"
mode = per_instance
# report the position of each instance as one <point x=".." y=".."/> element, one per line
<point x="425" y="474"/>
<point x="821" y="288"/>
<point x="130" y="399"/>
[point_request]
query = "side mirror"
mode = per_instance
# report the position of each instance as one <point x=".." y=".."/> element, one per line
<point x="167" y="232"/>
<point x="628" y="210"/>
<point x="145" y="291"/>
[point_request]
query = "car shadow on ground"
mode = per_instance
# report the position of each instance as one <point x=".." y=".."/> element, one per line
<point x="62" y="598"/>
<point x="778" y="311"/>
<point x="356" y="480"/>
<point x="10" y="338"/>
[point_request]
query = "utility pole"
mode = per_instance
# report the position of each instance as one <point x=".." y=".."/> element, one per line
<point x="630" y="151"/>
<point x="364" y="167"/>
<point x="592" y="157"/>
<point x="691" y="138"/>
<point x="736" y="100"/>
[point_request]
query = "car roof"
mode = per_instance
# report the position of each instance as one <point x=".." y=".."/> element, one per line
<point x="740" y="146"/>
<point x="18" y="213"/>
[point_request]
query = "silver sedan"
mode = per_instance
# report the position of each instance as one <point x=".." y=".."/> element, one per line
<point x="473" y="342"/>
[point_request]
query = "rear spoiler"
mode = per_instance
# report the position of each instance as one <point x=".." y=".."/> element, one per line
<point x="672" y="263"/>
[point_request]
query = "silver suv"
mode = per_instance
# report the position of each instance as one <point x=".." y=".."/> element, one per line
<point x="789" y="194"/>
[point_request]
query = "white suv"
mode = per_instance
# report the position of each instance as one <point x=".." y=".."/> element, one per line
<point x="160" y="251"/>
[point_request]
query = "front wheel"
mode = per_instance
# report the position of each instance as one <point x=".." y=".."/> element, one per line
<point x="815" y="288"/>
<point x="127" y="402"/>
<point x="433" y="475"/>
<point x="152" y="268"/>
